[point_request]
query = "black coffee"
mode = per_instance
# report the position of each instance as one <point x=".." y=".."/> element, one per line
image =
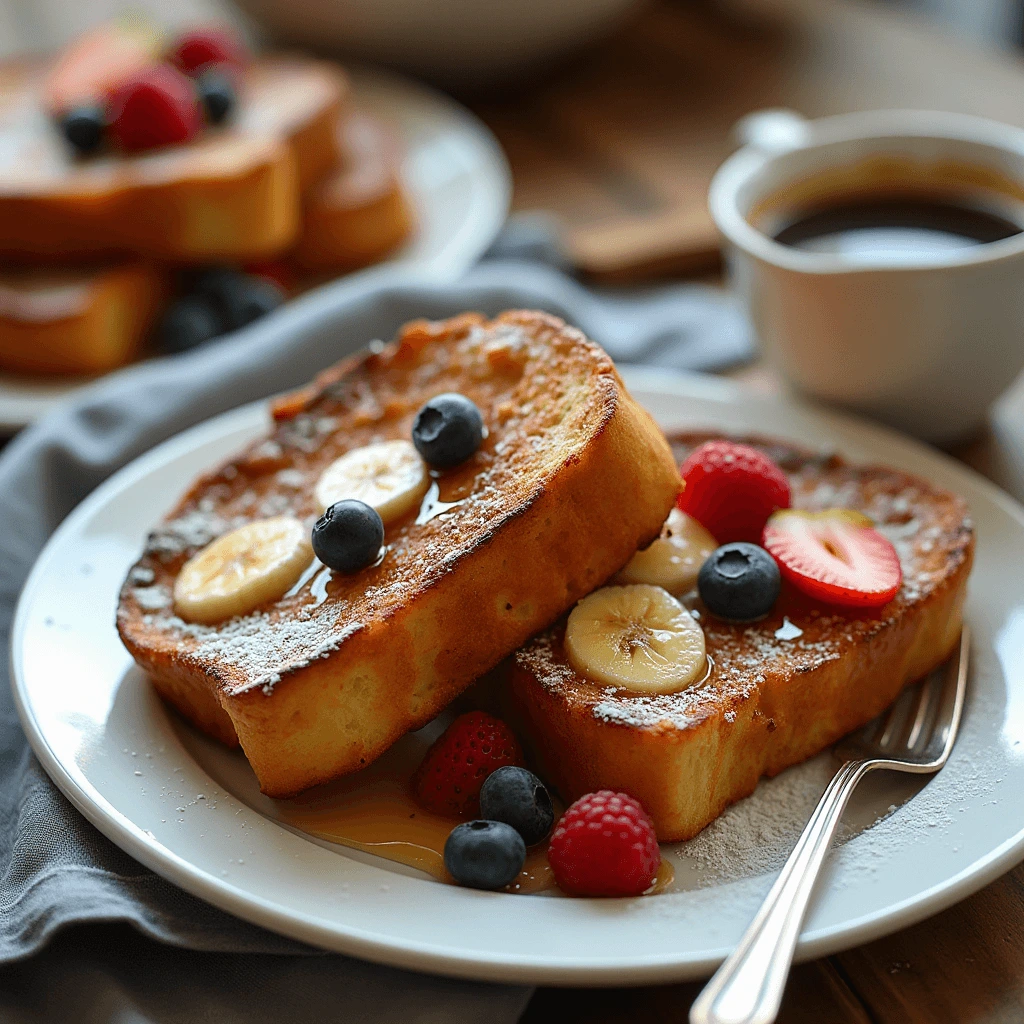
<point x="900" y="228"/>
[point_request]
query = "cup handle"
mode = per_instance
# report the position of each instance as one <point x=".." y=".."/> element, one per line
<point x="775" y="130"/>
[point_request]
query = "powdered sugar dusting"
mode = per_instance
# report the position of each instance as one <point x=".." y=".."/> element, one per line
<point x="756" y="835"/>
<point x="153" y="598"/>
<point x="528" y="439"/>
<point x="931" y="534"/>
<point x="251" y="651"/>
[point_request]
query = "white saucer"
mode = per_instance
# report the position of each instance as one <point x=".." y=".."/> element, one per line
<point x="457" y="178"/>
<point x="191" y="811"/>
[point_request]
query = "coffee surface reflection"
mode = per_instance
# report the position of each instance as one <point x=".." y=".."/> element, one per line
<point x="894" y="229"/>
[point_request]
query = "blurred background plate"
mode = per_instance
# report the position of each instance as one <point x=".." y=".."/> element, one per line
<point x="456" y="176"/>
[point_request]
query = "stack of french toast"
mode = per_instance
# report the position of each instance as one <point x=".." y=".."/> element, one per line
<point x="161" y="189"/>
<point x="662" y="621"/>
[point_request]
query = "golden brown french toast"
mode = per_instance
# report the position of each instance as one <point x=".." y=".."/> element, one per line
<point x="233" y="193"/>
<point x="359" y="213"/>
<point x="81" y="321"/>
<point x="780" y="689"/>
<point x="319" y="683"/>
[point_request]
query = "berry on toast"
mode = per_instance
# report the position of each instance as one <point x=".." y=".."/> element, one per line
<point x="229" y="193"/>
<point x="569" y="478"/>
<point x="777" y="690"/>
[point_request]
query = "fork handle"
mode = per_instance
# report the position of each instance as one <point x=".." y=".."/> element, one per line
<point x="748" y="987"/>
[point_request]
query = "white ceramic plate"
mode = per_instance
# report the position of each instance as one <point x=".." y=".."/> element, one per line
<point x="191" y="811"/>
<point x="456" y="175"/>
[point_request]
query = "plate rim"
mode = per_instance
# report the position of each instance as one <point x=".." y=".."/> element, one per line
<point x="413" y="954"/>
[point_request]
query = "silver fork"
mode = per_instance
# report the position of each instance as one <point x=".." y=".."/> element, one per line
<point x="915" y="735"/>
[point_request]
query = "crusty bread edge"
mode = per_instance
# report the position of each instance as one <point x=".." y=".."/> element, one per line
<point x="486" y="605"/>
<point x="687" y="778"/>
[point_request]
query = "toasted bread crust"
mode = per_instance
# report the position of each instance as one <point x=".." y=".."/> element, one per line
<point x="358" y="214"/>
<point x="770" y="702"/>
<point x="318" y="688"/>
<point x="78" y="322"/>
<point x="231" y="194"/>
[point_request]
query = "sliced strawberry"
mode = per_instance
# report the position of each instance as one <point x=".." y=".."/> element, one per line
<point x="96" y="63"/>
<point x="836" y="556"/>
<point x="449" y="778"/>
<point x="207" y="45"/>
<point x="156" y="107"/>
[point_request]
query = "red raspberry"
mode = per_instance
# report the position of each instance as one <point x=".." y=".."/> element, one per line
<point x="604" y="845"/>
<point x="732" y="490"/>
<point x="449" y="778"/>
<point x="156" y="107"/>
<point x="275" y="271"/>
<point x="201" y="47"/>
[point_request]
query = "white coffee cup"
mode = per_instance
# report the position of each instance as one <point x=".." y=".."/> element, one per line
<point x="924" y="345"/>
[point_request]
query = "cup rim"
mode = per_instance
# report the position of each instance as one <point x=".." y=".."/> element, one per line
<point x="746" y="162"/>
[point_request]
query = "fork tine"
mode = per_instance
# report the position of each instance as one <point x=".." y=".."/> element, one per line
<point x="928" y="706"/>
<point x="950" y="703"/>
<point x="894" y="722"/>
<point x="920" y="727"/>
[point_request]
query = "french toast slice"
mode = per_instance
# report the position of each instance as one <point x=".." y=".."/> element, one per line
<point x="322" y="681"/>
<point x="232" y="193"/>
<point x="775" y="695"/>
<point x="77" y="321"/>
<point x="359" y="213"/>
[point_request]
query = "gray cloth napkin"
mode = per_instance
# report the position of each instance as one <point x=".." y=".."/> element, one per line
<point x="55" y="869"/>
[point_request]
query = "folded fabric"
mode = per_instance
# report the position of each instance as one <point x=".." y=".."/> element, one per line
<point x="55" y="869"/>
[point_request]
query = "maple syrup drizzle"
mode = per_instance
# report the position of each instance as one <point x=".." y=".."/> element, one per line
<point x="374" y="811"/>
<point x="307" y="574"/>
<point x="318" y="588"/>
<point x="432" y="505"/>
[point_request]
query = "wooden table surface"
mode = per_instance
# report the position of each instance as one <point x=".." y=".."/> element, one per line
<point x="620" y="144"/>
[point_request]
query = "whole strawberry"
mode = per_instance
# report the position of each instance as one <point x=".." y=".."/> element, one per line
<point x="155" y="107"/>
<point x="604" y="845"/>
<point x="449" y="778"/>
<point x="732" y="489"/>
<point x="204" y="47"/>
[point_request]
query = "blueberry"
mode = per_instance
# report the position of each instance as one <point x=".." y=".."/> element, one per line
<point x="255" y="299"/>
<point x="484" y="854"/>
<point x="189" y="322"/>
<point x="518" y="798"/>
<point x="348" y="536"/>
<point x="83" y="127"/>
<point x="213" y="282"/>
<point x="240" y="298"/>
<point x="740" y="582"/>
<point x="217" y="95"/>
<point x="447" y="430"/>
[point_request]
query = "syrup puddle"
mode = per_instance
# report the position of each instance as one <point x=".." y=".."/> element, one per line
<point x="318" y="588"/>
<point x="321" y="575"/>
<point x="373" y="811"/>
<point x="307" y="574"/>
<point x="787" y="631"/>
<point x="432" y="506"/>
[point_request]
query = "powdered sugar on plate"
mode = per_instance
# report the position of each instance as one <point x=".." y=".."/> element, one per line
<point x="755" y="835"/>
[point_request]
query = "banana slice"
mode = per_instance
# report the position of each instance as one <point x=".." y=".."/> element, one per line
<point x="638" y="637"/>
<point x="674" y="559"/>
<point x="389" y="476"/>
<point x="235" y="573"/>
